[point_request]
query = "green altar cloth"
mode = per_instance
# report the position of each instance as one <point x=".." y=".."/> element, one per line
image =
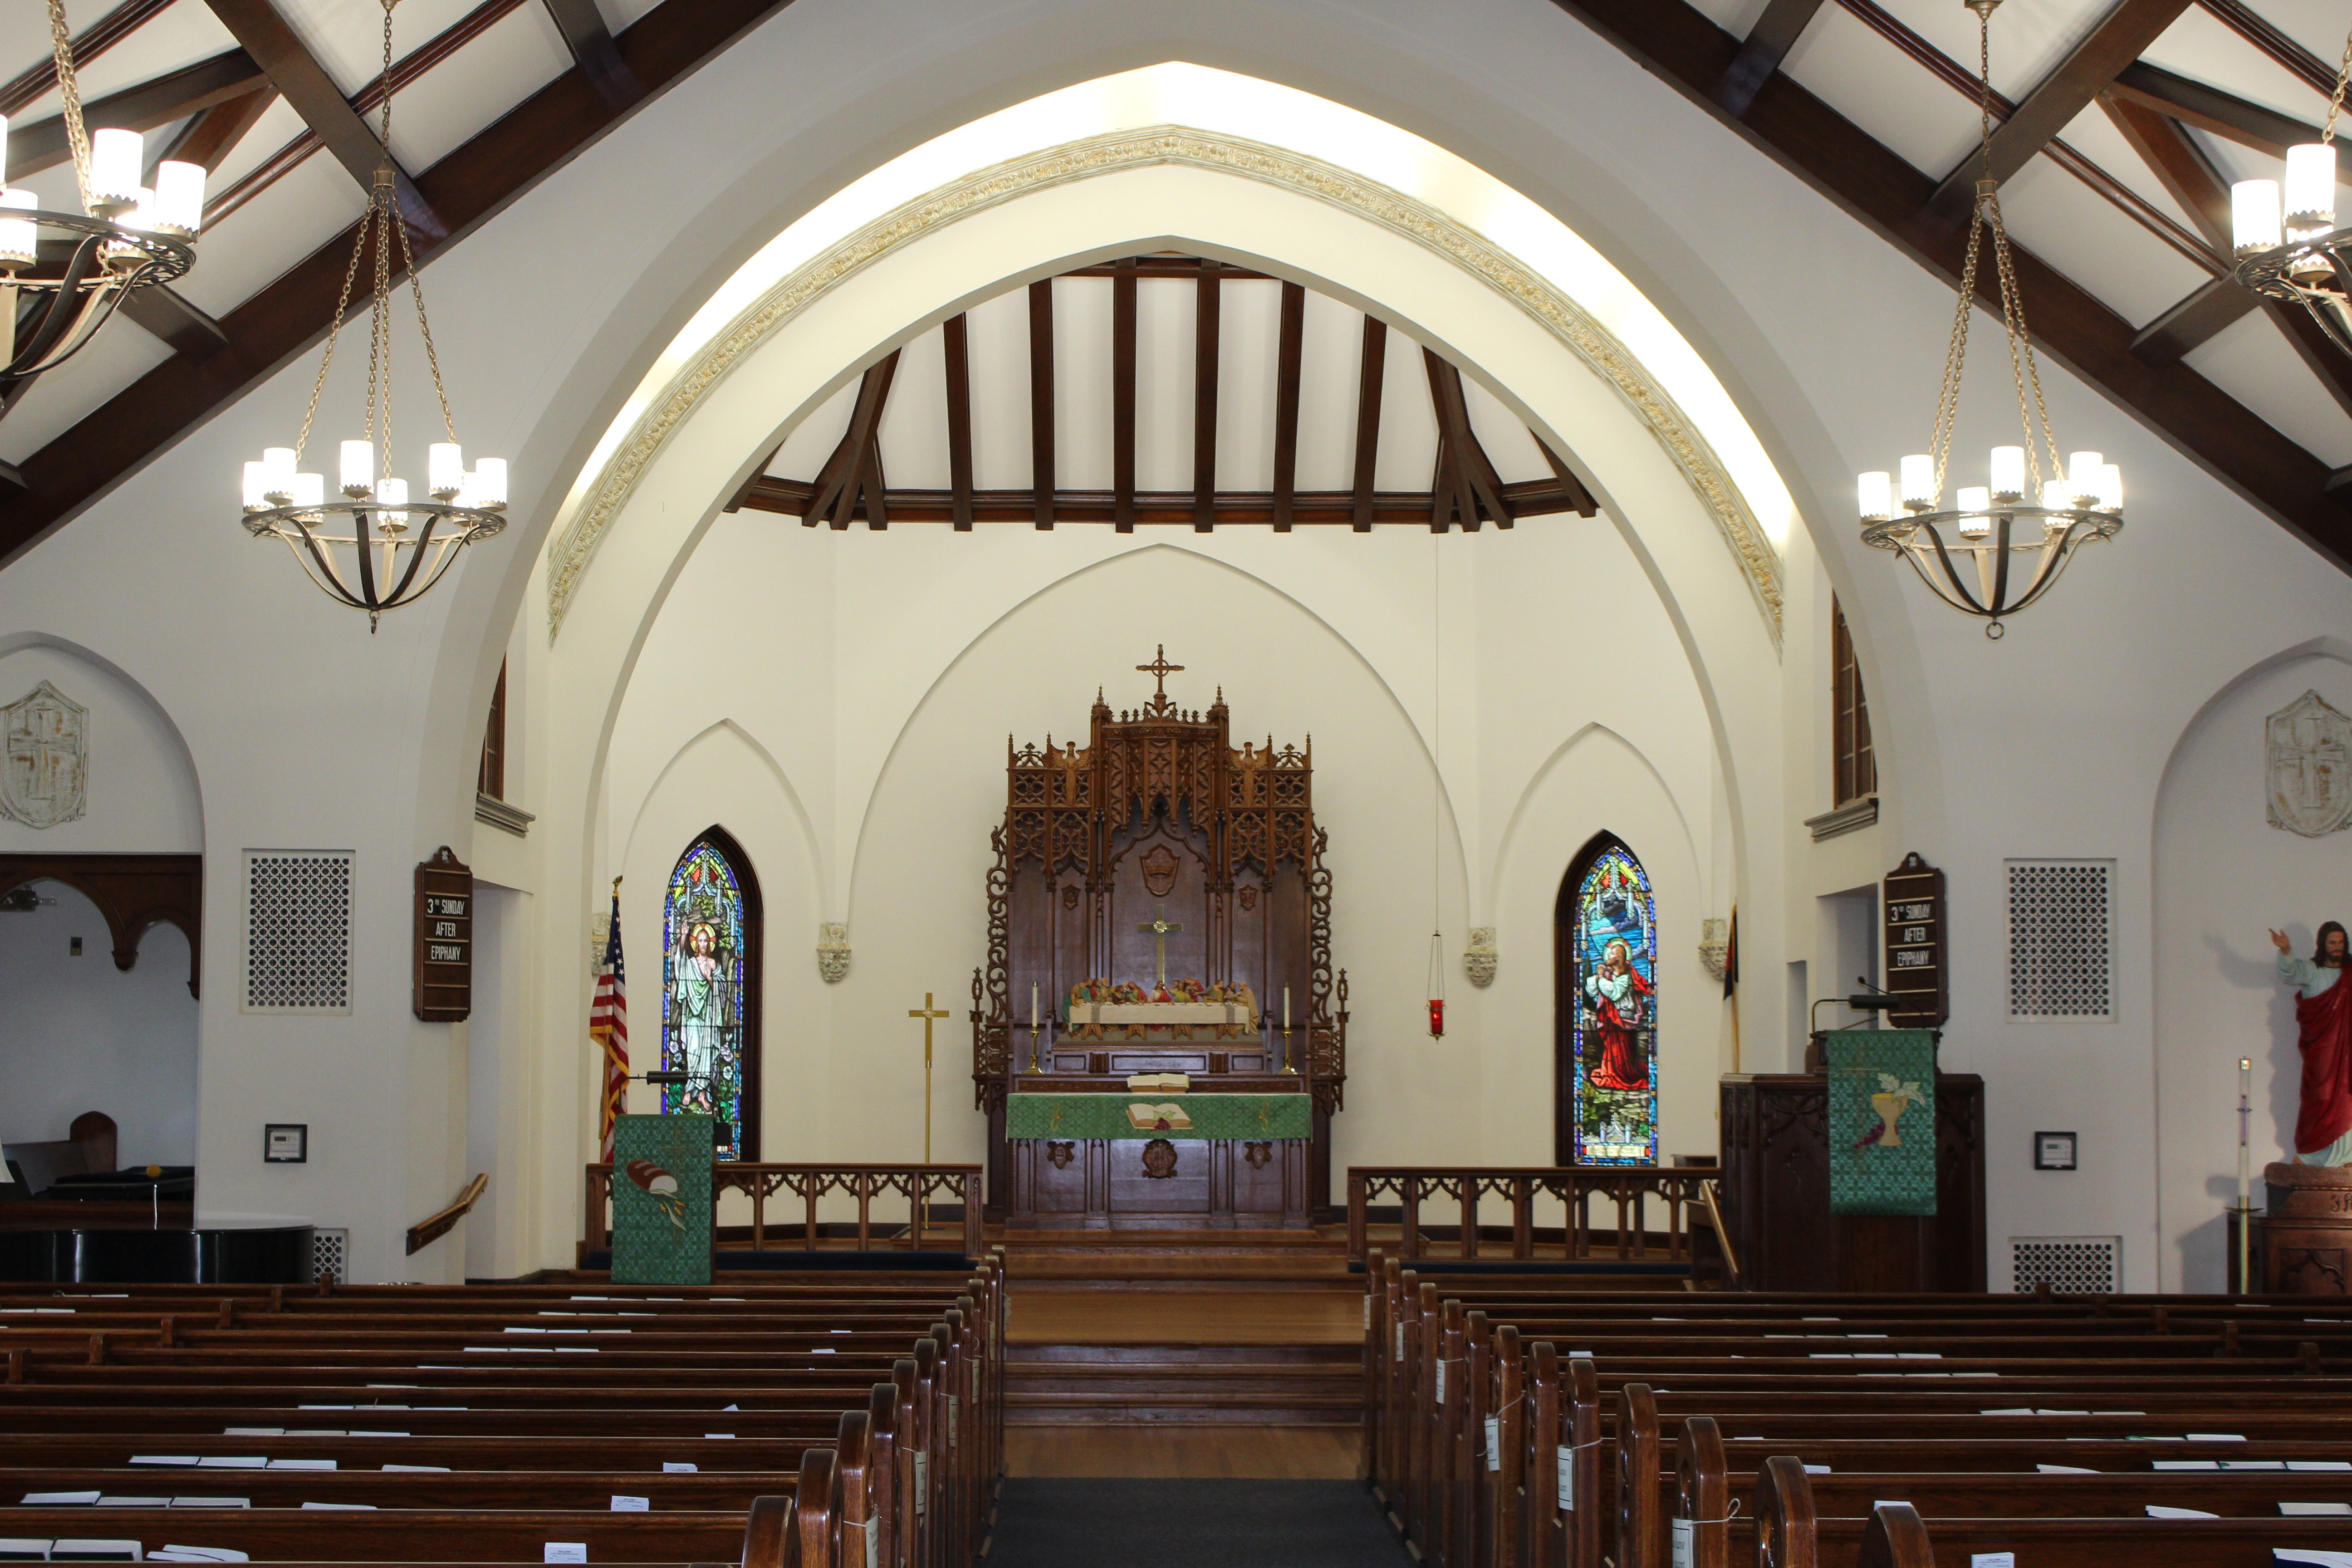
<point x="1260" y="1116"/>
<point x="661" y="1200"/>
<point x="1882" y="1120"/>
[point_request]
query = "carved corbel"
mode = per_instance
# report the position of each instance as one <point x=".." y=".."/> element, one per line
<point x="833" y="950"/>
<point x="1478" y="958"/>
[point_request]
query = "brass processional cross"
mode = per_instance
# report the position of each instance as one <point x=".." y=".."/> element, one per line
<point x="927" y="1013"/>
<point x="1160" y="926"/>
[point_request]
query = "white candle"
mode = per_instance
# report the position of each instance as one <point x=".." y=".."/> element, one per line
<point x="1286" y="1007"/>
<point x="1033" y="1003"/>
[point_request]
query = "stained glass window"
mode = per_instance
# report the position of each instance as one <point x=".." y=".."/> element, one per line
<point x="704" y="991"/>
<point x="1613" y="943"/>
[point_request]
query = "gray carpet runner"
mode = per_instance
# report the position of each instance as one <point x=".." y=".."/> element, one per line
<point x="1194" y="1524"/>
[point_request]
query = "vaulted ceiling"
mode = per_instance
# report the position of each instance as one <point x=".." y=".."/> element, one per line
<point x="2122" y="122"/>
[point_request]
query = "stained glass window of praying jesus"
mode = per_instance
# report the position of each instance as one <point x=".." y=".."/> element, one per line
<point x="1613" y="943"/>
<point x="703" y="992"/>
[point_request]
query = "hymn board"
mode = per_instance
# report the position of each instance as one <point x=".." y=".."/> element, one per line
<point x="1160" y="905"/>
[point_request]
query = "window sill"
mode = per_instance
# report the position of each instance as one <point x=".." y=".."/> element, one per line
<point x="1852" y="814"/>
<point x="512" y="819"/>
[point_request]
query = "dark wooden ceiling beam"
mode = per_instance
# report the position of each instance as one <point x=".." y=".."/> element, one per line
<point x="1208" y="319"/>
<point x="1172" y="509"/>
<point x="175" y="96"/>
<point x="956" y="340"/>
<point x="1288" y="356"/>
<point x="305" y="84"/>
<point x="1572" y="495"/>
<point x="1768" y="41"/>
<point x="1186" y="268"/>
<point x="1370" y="377"/>
<point x="1122" y="396"/>
<point x="2203" y="313"/>
<point x="2216" y="113"/>
<point x="851" y="484"/>
<point x="210" y="137"/>
<point x="1464" y="472"/>
<point x="473" y="183"/>
<point x="1874" y="186"/>
<point x="2126" y="30"/>
<point x="170" y="316"/>
<point x="593" y="50"/>
<point x="2189" y="177"/>
<point x="1042" y="404"/>
<point x="38" y="81"/>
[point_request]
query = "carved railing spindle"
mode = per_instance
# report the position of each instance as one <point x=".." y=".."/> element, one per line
<point x="1523" y="1217"/>
<point x="1469" y="1217"/>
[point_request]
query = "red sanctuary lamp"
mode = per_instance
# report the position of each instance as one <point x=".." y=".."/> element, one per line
<point x="1436" y="987"/>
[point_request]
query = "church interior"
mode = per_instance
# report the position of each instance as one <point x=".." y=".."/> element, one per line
<point x="1175" y="782"/>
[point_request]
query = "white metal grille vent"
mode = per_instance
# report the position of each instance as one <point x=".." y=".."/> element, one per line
<point x="2070" y="1265"/>
<point x="298" y="930"/>
<point x="2058" y="958"/>
<point x="331" y="1253"/>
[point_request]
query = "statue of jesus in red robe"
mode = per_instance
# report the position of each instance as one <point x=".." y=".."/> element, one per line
<point x="2323" y="1011"/>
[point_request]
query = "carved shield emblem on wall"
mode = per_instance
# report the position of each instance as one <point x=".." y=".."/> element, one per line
<point x="1160" y="870"/>
<point x="2307" y="746"/>
<point x="45" y="773"/>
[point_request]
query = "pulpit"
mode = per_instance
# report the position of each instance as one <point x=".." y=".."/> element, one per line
<point x="1158" y="1036"/>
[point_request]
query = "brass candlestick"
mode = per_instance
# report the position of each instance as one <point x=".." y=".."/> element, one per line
<point x="1287" y="1065"/>
<point x="1033" y="1048"/>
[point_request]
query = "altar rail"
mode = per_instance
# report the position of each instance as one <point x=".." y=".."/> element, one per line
<point x="923" y="1188"/>
<point x="1641" y="1195"/>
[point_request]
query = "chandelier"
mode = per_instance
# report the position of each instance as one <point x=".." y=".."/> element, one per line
<point x="2003" y="543"/>
<point x="372" y="545"/>
<point x="2286" y="241"/>
<point x="129" y="234"/>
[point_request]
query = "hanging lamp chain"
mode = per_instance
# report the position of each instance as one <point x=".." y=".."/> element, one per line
<point x="2025" y="369"/>
<point x="2335" y="100"/>
<point x="383" y="225"/>
<point x="70" y="90"/>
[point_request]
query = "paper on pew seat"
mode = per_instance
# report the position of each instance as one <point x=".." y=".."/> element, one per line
<point x="2253" y="1464"/>
<point x="2162" y="1511"/>
<point x="233" y="1462"/>
<point x="2315" y="1556"/>
<point x="24" y="1549"/>
<point x="302" y="1464"/>
<point x="564" y="1551"/>
<point x="2313" y="1509"/>
<point x="1817" y="1469"/>
<point x="2188" y="1464"/>
<point x="253" y="1431"/>
<point x="624" y="1504"/>
<point x="2064" y="1470"/>
<point x="212" y="1502"/>
<point x="2217" y="1437"/>
<point x="2319" y="1464"/>
<point x="1992" y="1560"/>
<point x="419" y="1470"/>
<point x="342" y="1507"/>
<point x="357" y="1432"/>
<point x="671" y="1467"/>
<point x="197" y="1554"/>
<point x="134" y="1503"/>
<point x="63" y="1551"/>
<point x="163" y="1459"/>
<point x="58" y="1500"/>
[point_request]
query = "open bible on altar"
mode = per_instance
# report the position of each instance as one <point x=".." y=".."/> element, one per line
<point x="1158" y="1117"/>
<point x="1166" y="1082"/>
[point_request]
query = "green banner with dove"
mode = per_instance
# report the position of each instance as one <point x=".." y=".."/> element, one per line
<point x="1882" y="1120"/>
<point x="661" y="1200"/>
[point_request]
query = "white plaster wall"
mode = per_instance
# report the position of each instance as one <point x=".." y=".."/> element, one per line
<point x="305" y="732"/>
<point x="2224" y="877"/>
<point x="77" y="1033"/>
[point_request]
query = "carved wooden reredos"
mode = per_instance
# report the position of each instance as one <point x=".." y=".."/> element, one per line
<point x="1159" y="808"/>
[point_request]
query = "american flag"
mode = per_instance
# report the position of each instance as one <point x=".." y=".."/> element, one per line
<point x="608" y="1026"/>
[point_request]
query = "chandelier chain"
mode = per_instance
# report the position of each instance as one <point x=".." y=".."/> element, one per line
<point x="327" y="360"/>
<point x="70" y="90"/>
<point x="2335" y="100"/>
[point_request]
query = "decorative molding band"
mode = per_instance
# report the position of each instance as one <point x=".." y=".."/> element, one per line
<point x="512" y="819"/>
<point x="1576" y="329"/>
<point x="1846" y="818"/>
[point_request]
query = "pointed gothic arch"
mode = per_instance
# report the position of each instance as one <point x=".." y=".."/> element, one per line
<point x="712" y="940"/>
<point x="1606" y="1011"/>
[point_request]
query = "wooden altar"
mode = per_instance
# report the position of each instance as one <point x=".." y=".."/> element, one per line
<point x="1155" y="854"/>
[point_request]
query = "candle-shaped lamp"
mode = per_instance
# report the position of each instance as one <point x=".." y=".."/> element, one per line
<point x="2246" y="1216"/>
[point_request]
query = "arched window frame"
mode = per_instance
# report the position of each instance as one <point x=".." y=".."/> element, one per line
<point x="1568" y="969"/>
<point x="723" y="845"/>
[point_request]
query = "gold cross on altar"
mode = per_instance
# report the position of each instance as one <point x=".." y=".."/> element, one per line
<point x="927" y="1013"/>
<point x="1162" y="669"/>
<point x="1160" y="926"/>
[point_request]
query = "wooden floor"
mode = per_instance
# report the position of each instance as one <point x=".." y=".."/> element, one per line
<point x="1222" y="1317"/>
<point x="1184" y="1452"/>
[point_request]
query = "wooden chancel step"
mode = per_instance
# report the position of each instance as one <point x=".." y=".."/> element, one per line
<point x="1296" y="1385"/>
<point x="1190" y="1258"/>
